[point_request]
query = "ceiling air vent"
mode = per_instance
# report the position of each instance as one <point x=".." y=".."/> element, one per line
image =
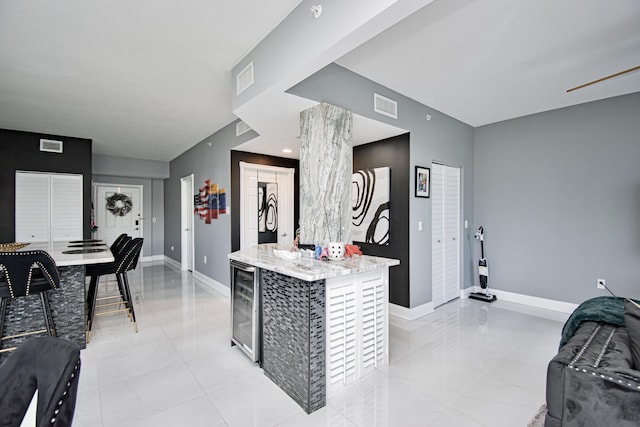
<point x="242" y="127"/>
<point x="51" y="146"/>
<point x="385" y="106"/>
<point x="244" y="79"/>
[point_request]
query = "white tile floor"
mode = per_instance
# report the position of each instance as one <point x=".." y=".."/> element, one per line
<point x="467" y="364"/>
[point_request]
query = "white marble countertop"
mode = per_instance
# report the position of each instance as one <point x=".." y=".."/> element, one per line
<point x="55" y="249"/>
<point x="306" y="268"/>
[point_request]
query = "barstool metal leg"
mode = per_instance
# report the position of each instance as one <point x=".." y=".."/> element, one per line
<point x="91" y="298"/>
<point x="125" y="279"/>
<point x="48" y="317"/>
<point x="93" y="306"/>
<point x="123" y="292"/>
<point x="3" y="313"/>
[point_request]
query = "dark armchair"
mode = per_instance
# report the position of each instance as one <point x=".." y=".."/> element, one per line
<point x="47" y="364"/>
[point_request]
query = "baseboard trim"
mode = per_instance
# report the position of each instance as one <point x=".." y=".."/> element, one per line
<point x="152" y="258"/>
<point x="410" y="313"/>
<point x="212" y="284"/>
<point x="464" y="293"/>
<point x="172" y="263"/>
<point x="548" y="304"/>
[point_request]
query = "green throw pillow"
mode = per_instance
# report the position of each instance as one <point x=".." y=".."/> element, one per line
<point x="632" y="322"/>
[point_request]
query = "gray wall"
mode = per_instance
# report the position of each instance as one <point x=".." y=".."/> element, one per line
<point x="213" y="240"/>
<point x="148" y="173"/>
<point x="441" y="139"/>
<point x="559" y="196"/>
<point x="125" y="166"/>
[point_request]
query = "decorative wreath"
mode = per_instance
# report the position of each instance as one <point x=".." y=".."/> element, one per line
<point x="119" y="204"/>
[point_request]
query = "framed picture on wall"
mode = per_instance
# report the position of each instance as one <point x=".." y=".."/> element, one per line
<point x="423" y="181"/>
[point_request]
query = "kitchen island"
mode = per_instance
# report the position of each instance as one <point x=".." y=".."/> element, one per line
<point x="67" y="302"/>
<point x="324" y="323"/>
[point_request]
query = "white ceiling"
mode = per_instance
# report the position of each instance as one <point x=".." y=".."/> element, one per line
<point x="143" y="79"/>
<point x="487" y="61"/>
<point x="149" y="79"/>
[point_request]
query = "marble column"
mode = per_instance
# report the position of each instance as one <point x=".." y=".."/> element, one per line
<point x="326" y="163"/>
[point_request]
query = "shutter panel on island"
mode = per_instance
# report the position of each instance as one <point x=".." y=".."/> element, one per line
<point x="357" y="336"/>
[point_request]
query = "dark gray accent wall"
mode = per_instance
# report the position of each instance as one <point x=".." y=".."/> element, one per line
<point x="21" y="151"/>
<point x="559" y="196"/>
<point x="393" y="153"/>
<point x="258" y="159"/>
<point x="152" y="207"/>
<point x="441" y="139"/>
<point x="205" y="162"/>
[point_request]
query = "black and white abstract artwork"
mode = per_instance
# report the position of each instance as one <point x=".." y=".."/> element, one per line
<point x="267" y="212"/>
<point x="370" y="193"/>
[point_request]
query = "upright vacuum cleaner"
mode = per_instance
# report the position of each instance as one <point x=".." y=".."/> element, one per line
<point x="483" y="271"/>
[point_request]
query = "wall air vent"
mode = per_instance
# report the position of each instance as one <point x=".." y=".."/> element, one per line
<point x="385" y="106"/>
<point x="51" y="146"/>
<point x="242" y="127"/>
<point x="244" y="78"/>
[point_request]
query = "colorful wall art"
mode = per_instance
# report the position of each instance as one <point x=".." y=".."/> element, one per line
<point x="210" y="202"/>
<point x="370" y="201"/>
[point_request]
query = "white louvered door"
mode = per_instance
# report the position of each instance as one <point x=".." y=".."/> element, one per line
<point x="66" y="207"/>
<point x="32" y="207"/>
<point x="437" y="235"/>
<point x="451" y="233"/>
<point x="445" y="218"/>
<point x="48" y="207"/>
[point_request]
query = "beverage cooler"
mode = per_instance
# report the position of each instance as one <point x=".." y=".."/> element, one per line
<point x="245" y="309"/>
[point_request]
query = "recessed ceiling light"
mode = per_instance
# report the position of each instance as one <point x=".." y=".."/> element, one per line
<point x="286" y="150"/>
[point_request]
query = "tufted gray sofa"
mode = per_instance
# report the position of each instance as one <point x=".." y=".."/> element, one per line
<point x="591" y="381"/>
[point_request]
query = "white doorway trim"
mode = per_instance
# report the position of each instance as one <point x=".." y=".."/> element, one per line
<point x="248" y="205"/>
<point x="187" y="248"/>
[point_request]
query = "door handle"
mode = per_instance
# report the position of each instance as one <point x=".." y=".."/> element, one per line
<point x="284" y="234"/>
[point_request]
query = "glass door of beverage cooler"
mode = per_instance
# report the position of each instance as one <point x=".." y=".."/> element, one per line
<point x="244" y="309"/>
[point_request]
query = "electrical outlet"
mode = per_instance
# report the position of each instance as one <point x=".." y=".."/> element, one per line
<point x="601" y="283"/>
<point x="172" y="248"/>
<point x="205" y="259"/>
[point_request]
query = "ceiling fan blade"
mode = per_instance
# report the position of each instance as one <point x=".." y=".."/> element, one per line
<point x="630" y="70"/>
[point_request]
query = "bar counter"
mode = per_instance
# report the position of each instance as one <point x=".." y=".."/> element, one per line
<point x="324" y="323"/>
<point x="67" y="302"/>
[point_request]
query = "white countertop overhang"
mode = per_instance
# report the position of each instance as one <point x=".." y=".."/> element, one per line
<point x="56" y="249"/>
<point x="307" y="268"/>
